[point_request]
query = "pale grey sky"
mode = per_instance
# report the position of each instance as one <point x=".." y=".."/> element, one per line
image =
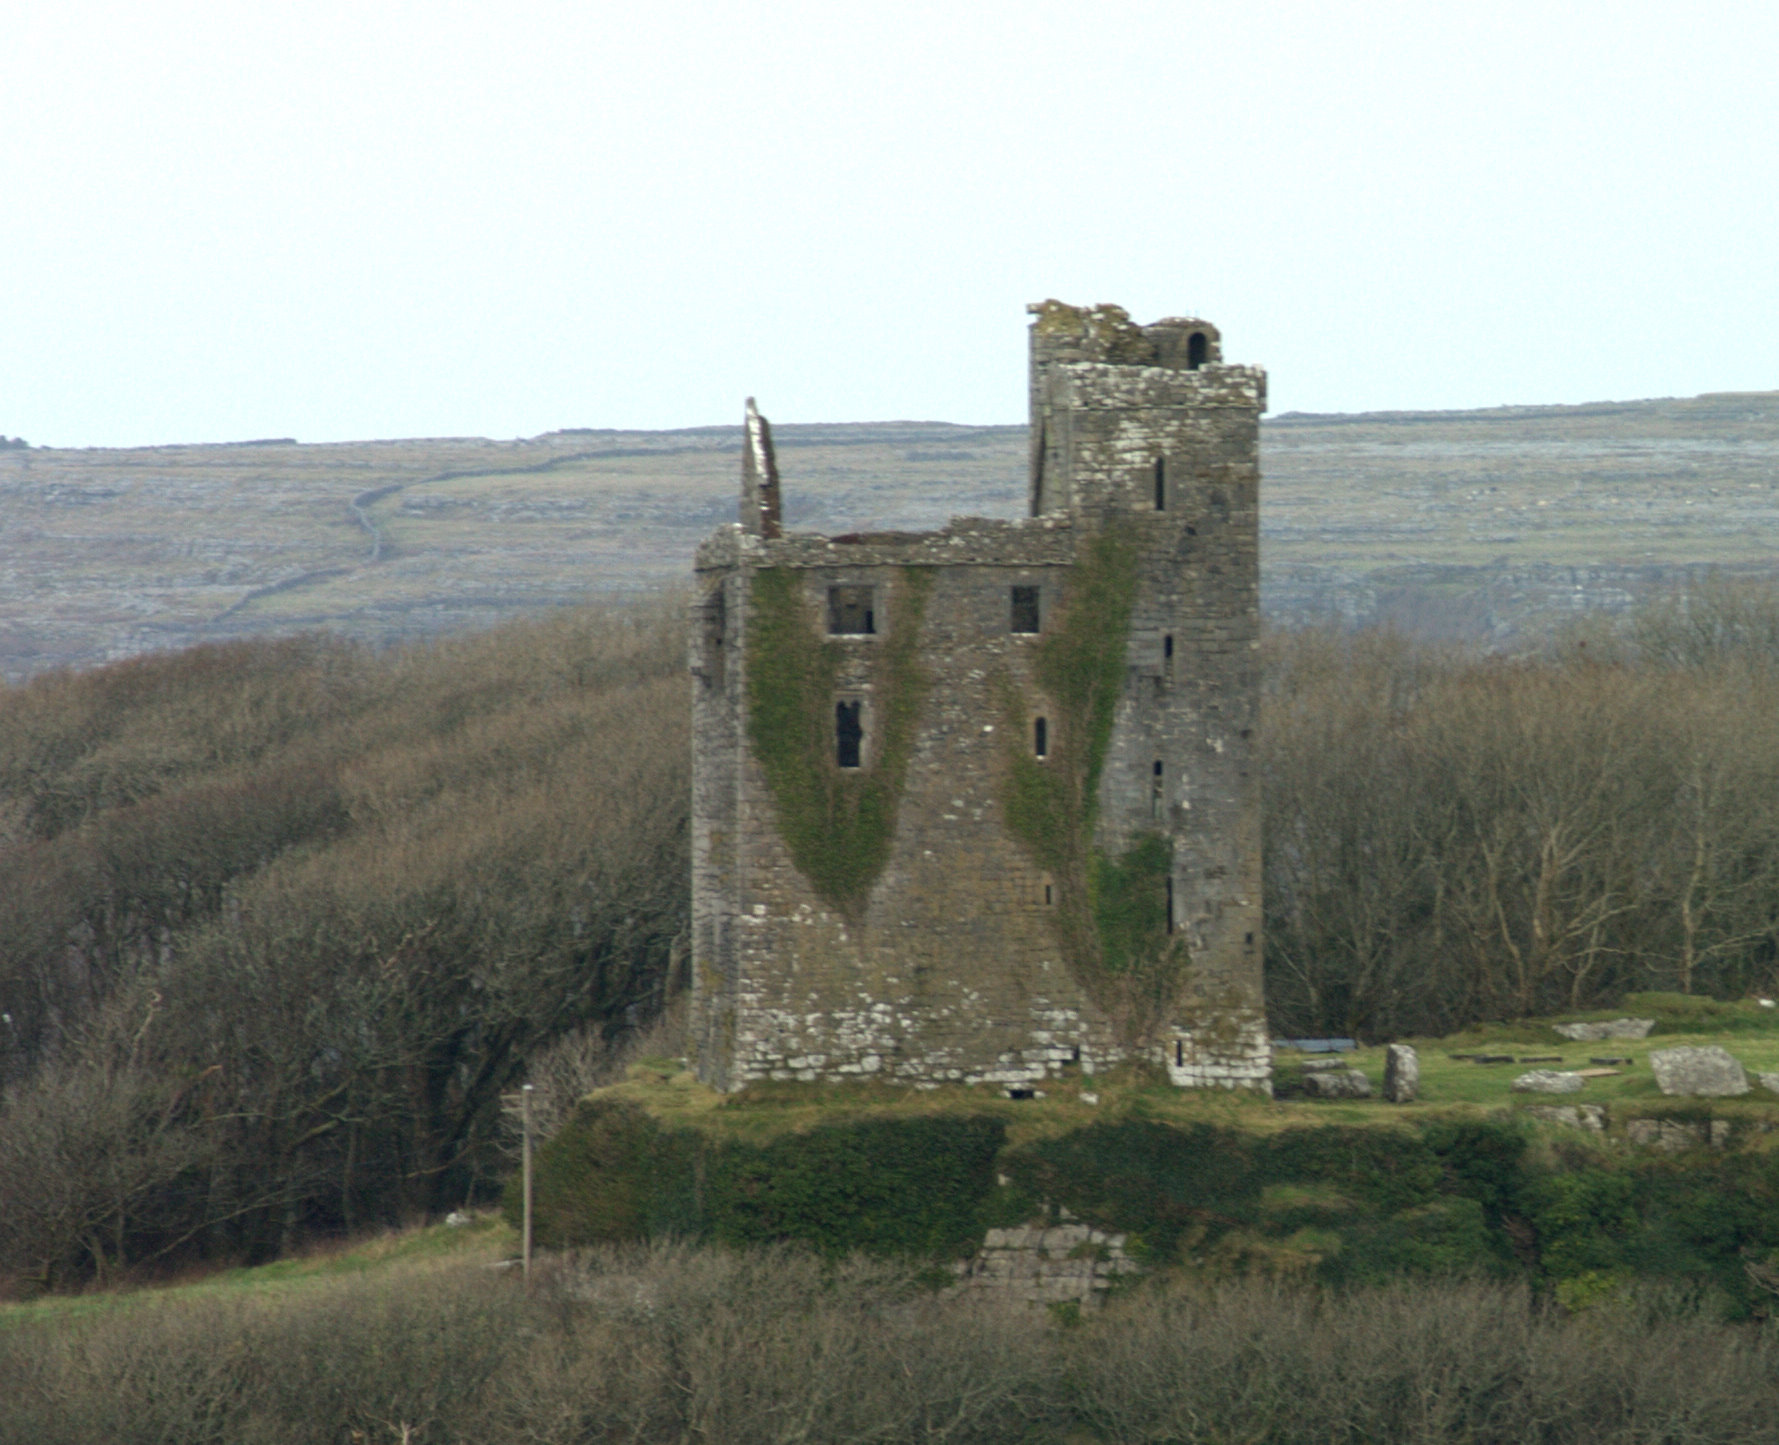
<point x="346" y="220"/>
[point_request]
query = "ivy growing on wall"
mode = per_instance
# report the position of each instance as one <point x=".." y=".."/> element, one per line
<point x="837" y="823"/>
<point x="1110" y="909"/>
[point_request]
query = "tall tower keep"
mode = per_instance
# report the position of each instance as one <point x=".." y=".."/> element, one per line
<point x="979" y="804"/>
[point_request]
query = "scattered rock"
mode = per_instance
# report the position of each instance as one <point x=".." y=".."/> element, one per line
<point x="1548" y="1081"/>
<point x="1614" y="1029"/>
<point x="1769" y="1082"/>
<point x="1322" y="1066"/>
<point x="1674" y="1135"/>
<point x="1337" y="1084"/>
<point x="1089" y="1098"/>
<point x="1402" y="1074"/>
<point x="1697" y="1070"/>
<point x="1574" y="1116"/>
<point x="1596" y="1073"/>
<point x="456" y="1219"/>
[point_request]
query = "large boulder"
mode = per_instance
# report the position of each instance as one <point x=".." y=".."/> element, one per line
<point x="1697" y="1070"/>
<point x="1337" y="1084"/>
<point x="1402" y="1074"/>
<point x="1612" y="1029"/>
<point x="1548" y="1081"/>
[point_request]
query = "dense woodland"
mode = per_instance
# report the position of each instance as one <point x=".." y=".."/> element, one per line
<point x="281" y="922"/>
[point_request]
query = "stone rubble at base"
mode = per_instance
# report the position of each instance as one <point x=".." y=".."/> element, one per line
<point x="1549" y="1081"/>
<point x="1055" y="1264"/>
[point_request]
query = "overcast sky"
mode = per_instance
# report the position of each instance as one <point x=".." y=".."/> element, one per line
<point x="349" y="220"/>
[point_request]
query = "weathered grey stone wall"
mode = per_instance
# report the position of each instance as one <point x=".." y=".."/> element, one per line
<point x="953" y="971"/>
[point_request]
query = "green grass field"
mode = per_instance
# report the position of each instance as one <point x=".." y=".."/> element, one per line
<point x="485" y="1241"/>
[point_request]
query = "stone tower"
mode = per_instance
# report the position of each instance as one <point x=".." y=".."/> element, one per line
<point x="977" y="805"/>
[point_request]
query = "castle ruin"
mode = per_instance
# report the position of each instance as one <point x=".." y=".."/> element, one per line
<point x="978" y="805"/>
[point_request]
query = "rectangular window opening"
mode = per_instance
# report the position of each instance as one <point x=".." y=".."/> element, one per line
<point x="1161" y="484"/>
<point x="850" y="612"/>
<point x="849" y="733"/>
<point x="1049" y="894"/>
<point x="1179" y="1054"/>
<point x="1025" y="609"/>
<point x="1156" y="789"/>
<point x="1041" y="736"/>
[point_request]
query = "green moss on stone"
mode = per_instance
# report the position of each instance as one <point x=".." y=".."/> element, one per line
<point x="1110" y="910"/>
<point x="837" y="823"/>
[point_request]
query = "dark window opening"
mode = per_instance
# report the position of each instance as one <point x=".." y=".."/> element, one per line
<point x="1161" y="484"/>
<point x="1198" y="348"/>
<point x="1025" y="609"/>
<point x="1022" y="1093"/>
<point x="1248" y="939"/>
<point x="1167" y="653"/>
<point x="1041" y="736"/>
<point x="1075" y="1054"/>
<point x="1179" y="1054"/>
<point x="850" y="611"/>
<point x="1155" y="791"/>
<point x="1049" y="894"/>
<point x="849" y="733"/>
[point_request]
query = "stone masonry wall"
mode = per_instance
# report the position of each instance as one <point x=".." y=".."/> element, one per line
<point x="952" y="968"/>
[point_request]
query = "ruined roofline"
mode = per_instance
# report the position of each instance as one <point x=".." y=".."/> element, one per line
<point x="970" y="541"/>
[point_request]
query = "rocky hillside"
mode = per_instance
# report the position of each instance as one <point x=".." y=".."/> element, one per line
<point x="1480" y="523"/>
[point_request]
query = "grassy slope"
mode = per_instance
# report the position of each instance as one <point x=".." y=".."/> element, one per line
<point x="664" y="1086"/>
<point x="392" y="1256"/>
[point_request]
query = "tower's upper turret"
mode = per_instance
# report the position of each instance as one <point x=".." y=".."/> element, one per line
<point x="1117" y="409"/>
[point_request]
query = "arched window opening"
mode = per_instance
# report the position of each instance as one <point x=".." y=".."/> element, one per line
<point x="849" y="733"/>
<point x="1161" y="484"/>
<point x="1198" y="348"/>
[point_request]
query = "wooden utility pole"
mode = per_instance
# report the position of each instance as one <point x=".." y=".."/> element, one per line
<point x="525" y="1227"/>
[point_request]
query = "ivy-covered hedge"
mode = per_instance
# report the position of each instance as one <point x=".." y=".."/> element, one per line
<point x="884" y="1186"/>
<point x="1338" y="1203"/>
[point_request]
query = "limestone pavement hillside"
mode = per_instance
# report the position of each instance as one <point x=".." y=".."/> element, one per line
<point x="1479" y="522"/>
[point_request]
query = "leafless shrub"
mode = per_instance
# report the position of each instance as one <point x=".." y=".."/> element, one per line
<point x="668" y="1344"/>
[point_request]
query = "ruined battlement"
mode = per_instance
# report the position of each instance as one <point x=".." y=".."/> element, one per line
<point x="977" y="804"/>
